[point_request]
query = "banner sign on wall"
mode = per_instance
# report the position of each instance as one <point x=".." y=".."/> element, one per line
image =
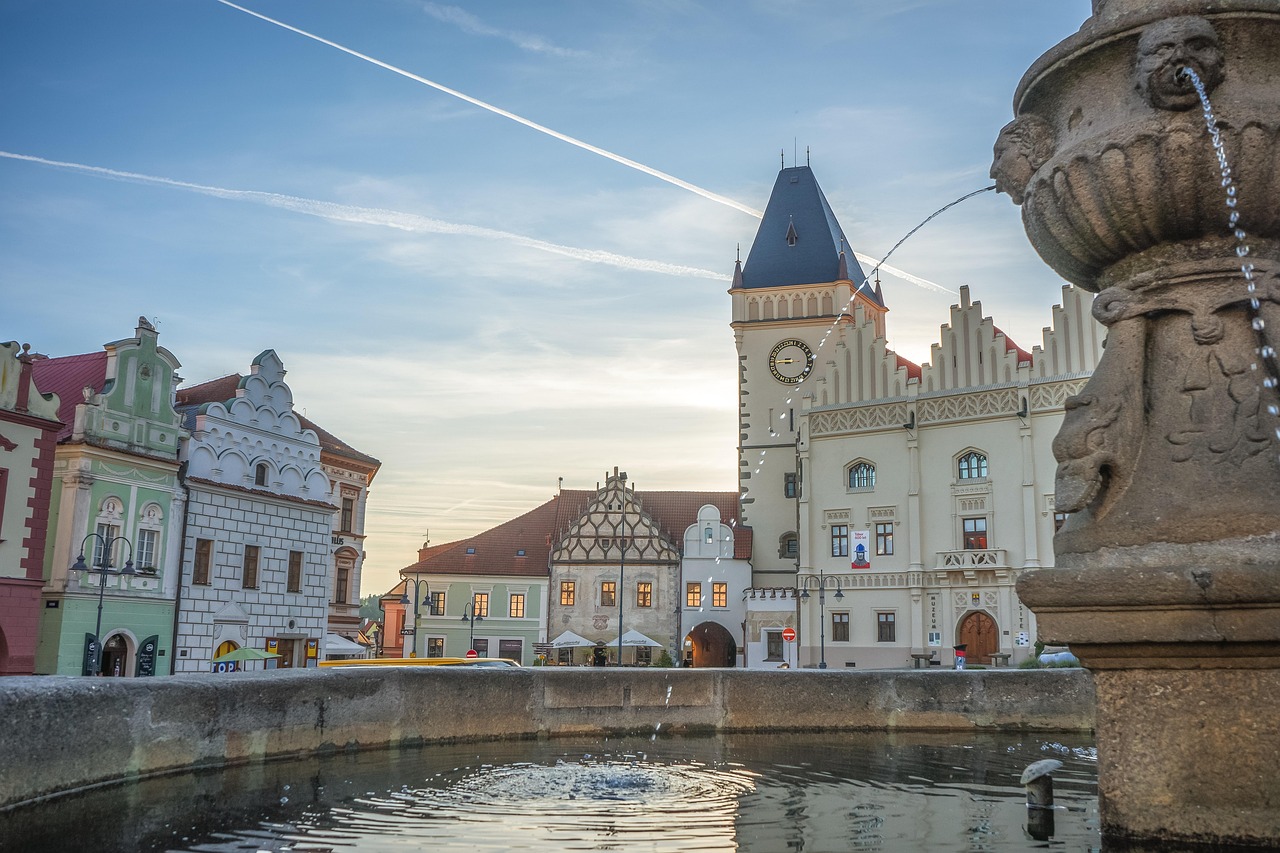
<point x="861" y="549"/>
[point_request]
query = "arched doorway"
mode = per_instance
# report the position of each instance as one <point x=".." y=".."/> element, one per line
<point x="225" y="647"/>
<point x="115" y="656"/>
<point x="710" y="644"/>
<point x="978" y="632"/>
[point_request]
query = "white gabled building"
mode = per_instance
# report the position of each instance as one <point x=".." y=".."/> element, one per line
<point x="257" y="554"/>
<point x="942" y="473"/>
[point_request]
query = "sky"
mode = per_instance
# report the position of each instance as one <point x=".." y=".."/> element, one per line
<point x="492" y="241"/>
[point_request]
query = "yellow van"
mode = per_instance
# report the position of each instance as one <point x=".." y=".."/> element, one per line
<point x="487" y="662"/>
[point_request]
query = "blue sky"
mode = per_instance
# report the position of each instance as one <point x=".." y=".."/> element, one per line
<point x="430" y="271"/>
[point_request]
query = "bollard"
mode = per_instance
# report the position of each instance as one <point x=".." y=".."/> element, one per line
<point x="1038" y="780"/>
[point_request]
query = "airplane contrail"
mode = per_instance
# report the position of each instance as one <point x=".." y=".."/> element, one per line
<point x="586" y="146"/>
<point x="386" y="218"/>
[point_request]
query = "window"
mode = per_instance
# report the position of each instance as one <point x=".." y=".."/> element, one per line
<point x="644" y="655"/>
<point x="348" y="514"/>
<point x="719" y="595"/>
<point x="566" y="593"/>
<point x="708" y="535"/>
<point x="884" y="539"/>
<point x="481" y="645"/>
<point x="1059" y="519"/>
<point x="773" y="645"/>
<point x="145" y="554"/>
<point x="975" y="534"/>
<point x="886" y="628"/>
<point x="862" y="475"/>
<point x="839" y="540"/>
<point x="972" y="466"/>
<point x="516" y="608"/>
<point x="788" y="485"/>
<point x="644" y="594"/>
<point x="105" y="549"/>
<point x="790" y="546"/>
<point x="260" y="474"/>
<point x="436" y="606"/>
<point x="840" y="627"/>
<point x="4" y="490"/>
<point x="343" y="583"/>
<point x="203" y="558"/>
<point x="608" y="593"/>
<point x="435" y="647"/>
<point x="480" y="604"/>
<point x="511" y="649"/>
<point x="295" y="571"/>
<point x="693" y="595"/>
<point x="249" y="580"/>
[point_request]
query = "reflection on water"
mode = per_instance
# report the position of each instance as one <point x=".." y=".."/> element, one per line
<point x="761" y="793"/>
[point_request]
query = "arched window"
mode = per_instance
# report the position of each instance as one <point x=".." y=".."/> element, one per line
<point x="788" y="546"/>
<point x="260" y="474"/>
<point x="862" y="475"/>
<point x="708" y="535"/>
<point x="972" y="466"/>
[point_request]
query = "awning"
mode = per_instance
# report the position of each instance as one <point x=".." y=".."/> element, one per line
<point x="336" y="645"/>
<point x="635" y="638"/>
<point x="570" y="640"/>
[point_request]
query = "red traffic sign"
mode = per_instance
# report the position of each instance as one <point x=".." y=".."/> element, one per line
<point x="789" y="634"/>
<point x="472" y="653"/>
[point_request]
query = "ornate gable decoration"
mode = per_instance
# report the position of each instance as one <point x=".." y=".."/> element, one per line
<point x="615" y="519"/>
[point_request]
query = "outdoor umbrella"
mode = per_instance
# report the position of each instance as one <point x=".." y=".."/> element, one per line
<point x="570" y="640"/>
<point x="635" y="638"/>
<point x="245" y="654"/>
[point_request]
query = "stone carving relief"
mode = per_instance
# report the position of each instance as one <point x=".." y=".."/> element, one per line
<point x="1023" y="146"/>
<point x="1168" y="46"/>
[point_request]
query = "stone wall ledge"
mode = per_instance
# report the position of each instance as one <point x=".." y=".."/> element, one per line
<point x="65" y="733"/>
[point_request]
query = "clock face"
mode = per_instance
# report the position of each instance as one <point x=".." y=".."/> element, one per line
<point x="790" y="361"/>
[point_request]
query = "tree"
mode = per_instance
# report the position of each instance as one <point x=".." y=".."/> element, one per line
<point x="370" y="609"/>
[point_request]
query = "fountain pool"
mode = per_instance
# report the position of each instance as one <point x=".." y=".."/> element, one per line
<point x="775" y="792"/>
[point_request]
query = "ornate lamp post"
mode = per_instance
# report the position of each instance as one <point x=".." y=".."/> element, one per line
<point x="102" y="570"/>
<point x="404" y="599"/>
<point x="469" y="615"/>
<point x="819" y="582"/>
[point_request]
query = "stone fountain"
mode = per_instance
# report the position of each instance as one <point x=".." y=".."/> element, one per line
<point x="1167" y="584"/>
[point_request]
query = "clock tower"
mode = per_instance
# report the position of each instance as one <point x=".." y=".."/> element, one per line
<point x="799" y="282"/>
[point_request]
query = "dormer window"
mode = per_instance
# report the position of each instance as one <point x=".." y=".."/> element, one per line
<point x="792" y="236"/>
<point x="471" y="550"/>
<point x="260" y="474"/>
<point x="708" y="536"/>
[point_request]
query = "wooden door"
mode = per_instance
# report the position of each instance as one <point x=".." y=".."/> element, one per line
<point x="978" y="632"/>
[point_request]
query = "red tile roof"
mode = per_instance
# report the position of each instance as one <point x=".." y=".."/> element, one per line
<point x="1024" y="357"/>
<point x="913" y="369"/>
<point x="67" y="377"/>
<point x="496" y="551"/>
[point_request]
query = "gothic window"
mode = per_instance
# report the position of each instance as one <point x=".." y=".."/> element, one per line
<point x="260" y="474"/>
<point x="862" y="476"/>
<point x="972" y="466"/>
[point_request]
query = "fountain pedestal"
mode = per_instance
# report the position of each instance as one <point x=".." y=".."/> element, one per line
<point x="1167" y="577"/>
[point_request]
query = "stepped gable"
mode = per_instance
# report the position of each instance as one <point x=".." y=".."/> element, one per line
<point x="68" y="376"/>
<point x="799" y="240"/>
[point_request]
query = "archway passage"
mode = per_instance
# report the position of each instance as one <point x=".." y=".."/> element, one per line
<point x="978" y="632"/>
<point x="115" y="656"/>
<point x="710" y="644"/>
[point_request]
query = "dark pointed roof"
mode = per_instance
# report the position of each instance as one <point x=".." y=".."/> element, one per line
<point x="523" y="545"/>
<point x="799" y="240"/>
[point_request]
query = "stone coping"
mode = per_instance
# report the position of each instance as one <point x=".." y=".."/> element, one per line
<point x="63" y="733"/>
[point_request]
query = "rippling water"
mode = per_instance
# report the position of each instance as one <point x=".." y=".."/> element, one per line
<point x="763" y="793"/>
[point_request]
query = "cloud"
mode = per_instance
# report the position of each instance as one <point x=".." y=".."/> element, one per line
<point x="469" y="23"/>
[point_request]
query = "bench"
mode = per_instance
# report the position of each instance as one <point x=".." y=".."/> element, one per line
<point x="1000" y="659"/>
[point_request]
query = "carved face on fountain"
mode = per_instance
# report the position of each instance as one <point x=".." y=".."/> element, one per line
<point x="1023" y="146"/>
<point x="1170" y="45"/>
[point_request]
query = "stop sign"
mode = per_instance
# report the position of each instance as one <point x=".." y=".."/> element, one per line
<point x="789" y="634"/>
<point x="471" y="653"/>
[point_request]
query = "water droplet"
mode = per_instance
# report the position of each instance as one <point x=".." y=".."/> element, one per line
<point x="1241" y="251"/>
<point x="1258" y="324"/>
<point x="1231" y="191"/>
<point x="1231" y="202"/>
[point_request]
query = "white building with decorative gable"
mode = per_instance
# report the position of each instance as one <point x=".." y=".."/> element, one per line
<point x="257" y="555"/>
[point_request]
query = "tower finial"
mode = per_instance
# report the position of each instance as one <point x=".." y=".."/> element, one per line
<point x="782" y="152"/>
<point x="806" y="155"/>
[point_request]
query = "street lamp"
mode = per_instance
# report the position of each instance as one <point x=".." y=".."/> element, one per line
<point x="820" y="583"/>
<point x="469" y="615"/>
<point x="102" y="570"/>
<point x="404" y="599"/>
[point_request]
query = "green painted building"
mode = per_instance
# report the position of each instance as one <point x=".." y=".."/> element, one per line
<point x="117" y="502"/>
